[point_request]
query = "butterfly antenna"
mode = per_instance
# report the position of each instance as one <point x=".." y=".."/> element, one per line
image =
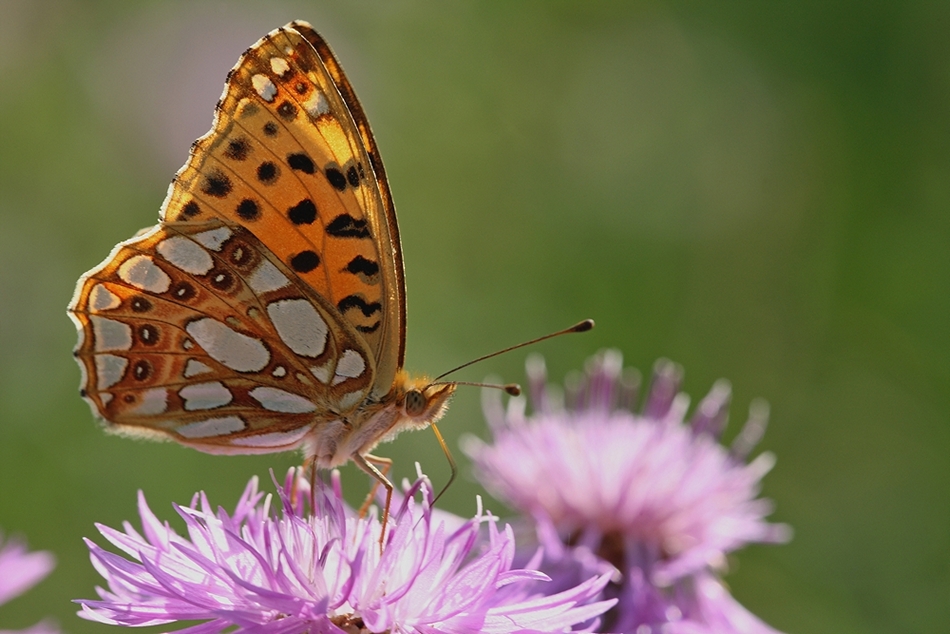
<point x="513" y="389"/>
<point x="582" y="326"/>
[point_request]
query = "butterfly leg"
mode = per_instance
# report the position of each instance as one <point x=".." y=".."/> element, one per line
<point x="367" y="463"/>
<point x="385" y="464"/>
<point x="309" y="469"/>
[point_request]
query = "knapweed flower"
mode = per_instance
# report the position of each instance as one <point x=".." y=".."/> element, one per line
<point x="659" y="498"/>
<point x="20" y="570"/>
<point x="257" y="571"/>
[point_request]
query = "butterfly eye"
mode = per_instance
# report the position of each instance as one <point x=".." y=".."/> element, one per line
<point x="415" y="404"/>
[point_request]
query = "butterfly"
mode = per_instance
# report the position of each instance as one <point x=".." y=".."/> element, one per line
<point x="266" y="311"/>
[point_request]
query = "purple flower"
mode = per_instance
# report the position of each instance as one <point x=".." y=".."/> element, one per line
<point x="19" y="571"/>
<point x="257" y="571"/>
<point x="660" y="499"/>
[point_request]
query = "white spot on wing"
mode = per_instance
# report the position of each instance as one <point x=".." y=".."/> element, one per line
<point x="264" y="87"/>
<point x="141" y="272"/>
<point x="322" y="372"/>
<point x="349" y="400"/>
<point x="106" y="398"/>
<point x="152" y="402"/>
<point x="212" y="427"/>
<point x="277" y="400"/>
<point x="266" y="278"/>
<point x="316" y="104"/>
<point x="350" y="366"/>
<point x="215" y="238"/>
<point x="186" y="255"/>
<point x="205" y="395"/>
<point x="282" y="439"/>
<point x="229" y="347"/>
<point x="109" y="370"/>
<point x="299" y="325"/>
<point x="194" y="368"/>
<point x="101" y="298"/>
<point x="279" y="371"/>
<point x="279" y="65"/>
<point x="110" y="334"/>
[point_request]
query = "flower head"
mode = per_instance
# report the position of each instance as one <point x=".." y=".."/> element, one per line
<point x="260" y="572"/>
<point x="659" y="498"/>
<point x="20" y="570"/>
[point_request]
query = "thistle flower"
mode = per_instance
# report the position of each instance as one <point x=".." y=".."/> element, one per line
<point x="660" y="499"/>
<point x="19" y="571"/>
<point x="257" y="571"/>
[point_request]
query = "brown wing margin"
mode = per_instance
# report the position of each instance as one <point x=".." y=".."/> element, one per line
<point x="366" y="134"/>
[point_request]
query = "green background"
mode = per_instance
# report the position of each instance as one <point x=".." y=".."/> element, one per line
<point x="758" y="191"/>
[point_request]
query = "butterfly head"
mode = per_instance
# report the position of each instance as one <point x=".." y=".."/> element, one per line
<point x="424" y="403"/>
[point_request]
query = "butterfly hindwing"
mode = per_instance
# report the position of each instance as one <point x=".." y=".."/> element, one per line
<point x="198" y="332"/>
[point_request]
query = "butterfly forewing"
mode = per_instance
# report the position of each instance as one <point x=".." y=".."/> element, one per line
<point x="287" y="160"/>
<point x="199" y="332"/>
<point x="389" y="243"/>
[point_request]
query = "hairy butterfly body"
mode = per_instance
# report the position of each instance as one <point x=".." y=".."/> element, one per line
<point x="266" y="310"/>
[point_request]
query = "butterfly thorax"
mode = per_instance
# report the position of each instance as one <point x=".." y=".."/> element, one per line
<point x="412" y="403"/>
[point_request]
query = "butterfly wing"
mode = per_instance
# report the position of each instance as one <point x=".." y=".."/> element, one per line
<point x="271" y="297"/>
<point x="291" y="157"/>
<point x="200" y="333"/>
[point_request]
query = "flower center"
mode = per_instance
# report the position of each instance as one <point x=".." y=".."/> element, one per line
<point x="352" y="624"/>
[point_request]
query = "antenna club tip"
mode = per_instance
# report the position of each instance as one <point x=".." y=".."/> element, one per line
<point x="512" y="389"/>
<point x="583" y="326"/>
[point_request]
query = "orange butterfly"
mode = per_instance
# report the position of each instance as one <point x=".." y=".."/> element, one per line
<point x="266" y="311"/>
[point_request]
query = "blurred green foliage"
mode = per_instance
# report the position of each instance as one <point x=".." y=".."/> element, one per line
<point x="758" y="191"/>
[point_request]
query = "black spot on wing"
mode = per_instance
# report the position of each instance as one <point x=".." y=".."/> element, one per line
<point x="217" y="184"/>
<point x="353" y="177"/>
<point x="301" y="163"/>
<point x="305" y="261"/>
<point x="242" y="256"/>
<point x="191" y="209"/>
<point x="141" y="370"/>
<point x="267" y="173"/>
<point x="270" y="128"/>
<point x="303" y="213"/>
<point x="237" y="149"/>
<point x="249" y="109"/>
<point x="346" y="226"/>
<point x="183" y="291"/>
<point x="336" y="178"/>
<point x="356" y="301"/>
<point x="368" y="329"/>
<point x="221" y="279"/>
<point x="140" y="304"/>
<point x="287" y="111"/>
<point x="147" y="334"/>
<point x="360" y="265"/>
<point x="248" y="209"/>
